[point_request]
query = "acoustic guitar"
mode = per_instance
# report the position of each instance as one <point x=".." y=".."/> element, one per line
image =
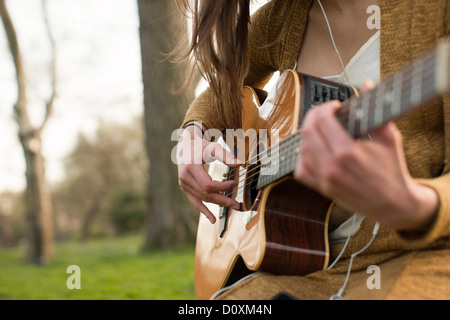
<point x="282" y="226"/>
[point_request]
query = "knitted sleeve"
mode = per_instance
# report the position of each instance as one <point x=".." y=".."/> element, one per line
<point x="441" y="225"/>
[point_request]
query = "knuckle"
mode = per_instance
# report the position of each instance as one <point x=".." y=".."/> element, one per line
<point x="182" y="179"/>
<point x="206" y="196"/>
<point x="210" y="148"/>
<point x="183" y="188"/>
<point x="345" y="157"/>
<point x="198" y="207"/>
<point x="182" y="172"/>
<point x="321" y="114"/>
<point x="208" y="188"/>
<point x="331" y="176"/>
<point x="331" y="179"/>
<point x="306" y="131"/>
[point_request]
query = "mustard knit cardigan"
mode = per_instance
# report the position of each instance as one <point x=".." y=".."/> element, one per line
<point x="408" y="28"/>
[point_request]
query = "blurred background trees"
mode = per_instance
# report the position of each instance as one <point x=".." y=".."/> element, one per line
<point x="171" y="219"/>
<point x="118" y="178"/>
<point x="104" y="189"/>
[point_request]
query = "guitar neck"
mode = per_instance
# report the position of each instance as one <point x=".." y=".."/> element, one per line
<point x="282" y="161"/>
<point x="423" y="80"/>
<point x="426" y="78"/>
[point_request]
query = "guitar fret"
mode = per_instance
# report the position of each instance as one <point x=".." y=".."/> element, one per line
<point x="351" y="118"/>
<point x="429" y="86"/>
<point x="355" y="116"/>
<point x="391" y="99"/>
<point x="396" y="108"/>
<point x="379" y="105"/>
<point x="416" y="83"/>
<point x="365" y="113"/>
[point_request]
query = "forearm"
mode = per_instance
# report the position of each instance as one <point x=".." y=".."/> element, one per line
<point x="439" y="225"/>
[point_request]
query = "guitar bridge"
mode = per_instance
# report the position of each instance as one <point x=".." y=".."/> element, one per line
<point x="223" y="219"/>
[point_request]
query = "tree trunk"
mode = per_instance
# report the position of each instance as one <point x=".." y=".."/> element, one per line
<point x="38" y="203"/>
<point x="171" y="218"/>
<point x="39" y="209"/>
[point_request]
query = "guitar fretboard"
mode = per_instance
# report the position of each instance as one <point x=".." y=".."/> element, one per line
<point x="423" y="80"/>
<point x="281" y="162"/>
<point x="397" y="95"/>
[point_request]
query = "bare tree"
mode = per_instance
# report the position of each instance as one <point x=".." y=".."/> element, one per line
<point x="97" y="168"/>
<point x="39" y="210"/>
<point x="171" y="219"/>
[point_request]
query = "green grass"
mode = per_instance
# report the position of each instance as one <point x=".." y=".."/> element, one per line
<point x="110" y="269"/>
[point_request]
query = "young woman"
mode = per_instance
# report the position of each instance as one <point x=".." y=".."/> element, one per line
<point x="399" y="177"/>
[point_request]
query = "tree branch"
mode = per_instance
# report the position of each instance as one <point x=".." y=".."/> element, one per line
<point x="20" y="107"/>
<point x="50" y="102"/>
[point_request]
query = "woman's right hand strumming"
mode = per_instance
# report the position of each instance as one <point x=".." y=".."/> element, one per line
<point x="193" y="151"/>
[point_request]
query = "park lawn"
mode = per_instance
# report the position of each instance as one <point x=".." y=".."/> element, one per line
<point x="111" y="269"/>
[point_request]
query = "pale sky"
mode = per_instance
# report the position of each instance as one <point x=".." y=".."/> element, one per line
<point x="99" y="75"/>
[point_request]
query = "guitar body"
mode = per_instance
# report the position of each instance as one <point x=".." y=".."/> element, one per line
<point x="281" y="228"/>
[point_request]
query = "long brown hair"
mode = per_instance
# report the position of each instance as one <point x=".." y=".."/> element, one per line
<point x="218" y="48"/>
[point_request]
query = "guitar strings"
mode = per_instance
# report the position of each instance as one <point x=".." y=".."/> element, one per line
<point x="389" y="83"/>
<point x="407" y="75"/>
<point x="350" y="105"/>
<point x="254" y="170"/>
<point x="294" y="141"/>
<point x="286" y="148"/>
<point x="347" y="104"/>
<point x="343" y="112"/>
<point x="346" y="108"/>
<point x="248" y="174"/>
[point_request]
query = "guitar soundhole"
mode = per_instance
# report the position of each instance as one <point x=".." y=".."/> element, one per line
<point x="251" y="190"/>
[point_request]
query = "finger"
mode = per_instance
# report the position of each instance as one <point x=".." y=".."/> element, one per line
<point x="387" y="134"/>
<point x="313" y="150"/>
<point x="207" y="183"/>
<point x="200" y="206"/>
<point x="214" y="151"/>
<point x="313" y="153"/>
<point x="200" y="183"/>
<point x="203" y="194"/>
<point x="303" y="174"/>
<point x="323" y="132"/>
<point x="367" y="85"/>
<point x="337" y="140"/>
<point x="221" y="200"/>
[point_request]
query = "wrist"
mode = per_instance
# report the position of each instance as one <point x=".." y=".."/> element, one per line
<point x="424" y="206"/>
<point x="196" y="129"/>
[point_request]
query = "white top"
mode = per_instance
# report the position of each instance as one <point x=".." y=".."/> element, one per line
<point x="364" y="65"/>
